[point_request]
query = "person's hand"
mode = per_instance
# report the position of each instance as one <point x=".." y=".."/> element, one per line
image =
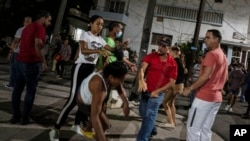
<point x="104" y="52"/>
<point x="186" y="91"/>
<point x="142" y="87"/>
<point x="154" y="94"/>
<point x="133" y="68"/>
<point x="44" y="67"/>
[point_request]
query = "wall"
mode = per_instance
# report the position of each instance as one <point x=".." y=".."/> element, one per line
<point x="133" y="30"/>
<point x="236" y="19"/>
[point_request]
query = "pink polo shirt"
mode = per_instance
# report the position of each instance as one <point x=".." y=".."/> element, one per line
<point x="211" y="90"/>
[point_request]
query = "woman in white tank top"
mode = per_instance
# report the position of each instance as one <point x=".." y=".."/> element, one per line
<point x="93" y="92"/>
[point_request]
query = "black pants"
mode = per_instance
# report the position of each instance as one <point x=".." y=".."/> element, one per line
<point x="247" y="97"/>
<point x="60" y="67"/>
<point x="78" y="73"/>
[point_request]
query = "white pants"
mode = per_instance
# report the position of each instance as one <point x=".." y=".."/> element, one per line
<point x="200" y="120"/>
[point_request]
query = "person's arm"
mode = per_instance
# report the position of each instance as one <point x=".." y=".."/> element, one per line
<point x="14" y="43"/>
<point x="86" y="50"/>
<point x="131" y="65"/>
<point x="202" y="79"/>
<point x="122" y="93"/>
<point x="142" y="87"/>
<point x="109" y="48"/>
<point x="156" y="92"/>
<point x="12" y="47"/>
<point x="98" y="96"/>
<point x="39" y="50"/>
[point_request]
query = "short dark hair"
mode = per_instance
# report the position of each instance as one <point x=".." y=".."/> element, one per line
<point x="42" y="13"/>
<point x="117" y="69"/>
<point x="113" y="24"/>
<point x="216" y="33"/>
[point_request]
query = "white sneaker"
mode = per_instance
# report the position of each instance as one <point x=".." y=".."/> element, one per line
<point x="54" y="135"/>
<point x="230" y="110"/>
<point x="227" y="107"/>
<point x="136" y="103"/>
<point x="166" y="125"/>
<point x="77" y="129"/>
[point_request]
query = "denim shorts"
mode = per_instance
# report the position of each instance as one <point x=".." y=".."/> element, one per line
<point x="235" y="91"/>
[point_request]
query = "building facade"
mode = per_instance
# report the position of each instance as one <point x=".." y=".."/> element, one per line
<point x="177" y="20"/>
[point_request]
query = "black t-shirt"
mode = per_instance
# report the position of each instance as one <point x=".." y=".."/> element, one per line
<point x="180" y="75"/>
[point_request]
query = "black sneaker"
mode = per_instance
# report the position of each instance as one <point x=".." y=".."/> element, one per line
<point x="154" y="132"/>
<point x="26" y="121"/>
<point x="15" y="120"/>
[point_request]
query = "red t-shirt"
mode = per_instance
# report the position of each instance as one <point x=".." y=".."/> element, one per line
<point x="211" y="90"/>
<point x="27" y="52"/>
<point x="159" y="72"/>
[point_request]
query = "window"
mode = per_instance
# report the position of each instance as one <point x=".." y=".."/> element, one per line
<point x="116" y="6"/>
<point x="159" y="19"/>
<point x="236" y="55"/>
<point x="156" y="37"/>
<point x="213" y="18"/>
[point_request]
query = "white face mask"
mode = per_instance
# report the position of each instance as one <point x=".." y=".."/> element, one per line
<point x="119" y="34"/>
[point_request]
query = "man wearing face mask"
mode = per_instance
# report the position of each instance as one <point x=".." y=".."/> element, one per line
<point x="236" y="78"/>
<point x="115" y="31"/>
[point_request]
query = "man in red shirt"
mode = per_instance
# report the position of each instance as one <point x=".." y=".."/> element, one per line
<point x="161" y="73"/>
<point x="29" y="62"/>
<point x="208" y="86"/>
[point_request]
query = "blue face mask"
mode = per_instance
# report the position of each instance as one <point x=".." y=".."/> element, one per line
<point x="118" y="35"/>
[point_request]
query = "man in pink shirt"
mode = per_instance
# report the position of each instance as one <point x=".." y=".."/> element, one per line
<point x="213" y="75"/>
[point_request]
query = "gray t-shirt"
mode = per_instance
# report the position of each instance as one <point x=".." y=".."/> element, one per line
<point x="18" y="35"/>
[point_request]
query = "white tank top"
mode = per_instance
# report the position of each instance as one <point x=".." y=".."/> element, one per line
<point x="85" y="93"/>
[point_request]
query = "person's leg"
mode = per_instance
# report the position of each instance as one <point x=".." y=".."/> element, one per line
<point x="178" y="90"/>
<point x="248" y="108"/>
<point x="53" y="65"/>
<point x="167" y="105"/>
<point x="173" y="111"/>
<point x="71" y="102"/>
<point x="233" y="99"/>
<point x="243" y="90"/>
<point x="58" y="63"/>
<point x="86" y="70"/>
<point x="201" y="112"/>
<point x="12" y="71"/>
<point x="206" y="132"/>
<point x="229" y="97"/>
<point x="31" y="74"/>
<point x="148" y="110"/>
<point x="62" y="68"/>
<point x="17" y="92"/>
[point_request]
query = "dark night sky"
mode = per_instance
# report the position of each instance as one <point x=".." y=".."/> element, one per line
<point x="12" y="18"/>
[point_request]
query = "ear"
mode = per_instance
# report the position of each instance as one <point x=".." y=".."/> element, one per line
<point x="110" y="77"/>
